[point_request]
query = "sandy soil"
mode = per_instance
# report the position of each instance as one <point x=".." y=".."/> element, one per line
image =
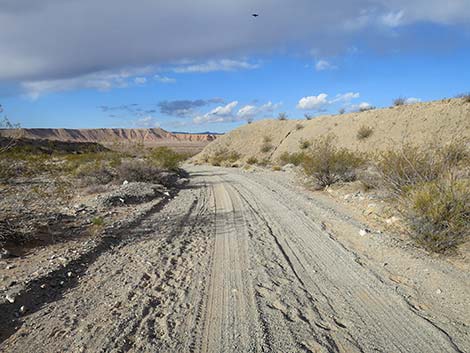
<point x="246" y="262"/>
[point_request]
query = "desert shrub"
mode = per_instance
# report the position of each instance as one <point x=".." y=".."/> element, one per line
<point x="139" y="171"/>
<point x="399" y="101"/>
<point x="327" y="164"/>
<point x="252" y="160"/>
<point x="276" y="168"/>
<point x="282" y="116"/>
<point x="342" y="111"/>
<point x="223" y="155"/>
<point x="438" y="213"/>
<point x="295" y="158"/>
<point x="364" y="132"/>
<point x="308" y="116"/>
<point x="266" y="147"/>
<point x="267" y="139"/>
<point x="95" y="173"/>
<point x="304" y="144"/>
<point x="166" y="158"/>
<point x="264" y="162"/>
<point x="299" y="126"/>
<point x="465" y="97"/>
<point x="412" y="165"/>
<point x="365" y="109"/>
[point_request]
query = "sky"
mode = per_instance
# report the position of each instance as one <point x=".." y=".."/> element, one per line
<point x="209" y="65"/>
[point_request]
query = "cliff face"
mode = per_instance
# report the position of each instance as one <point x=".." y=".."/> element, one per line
<point x="155" y="136"/>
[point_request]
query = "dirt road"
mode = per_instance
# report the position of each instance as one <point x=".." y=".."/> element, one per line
<point x="235" y="263"/>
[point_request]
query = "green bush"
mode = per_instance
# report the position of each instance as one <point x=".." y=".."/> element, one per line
<point x="412" y="165"/>
<point x="166" y="158"/>
<point x="304" y="144"/>
<point x="223" y="155"/>
<point x="327" y="164"/>
<point x="266" y="147"/>
<point x="252" y="160"/>
<point x="438" y="213"/>
<point x="295" y="158"/>
<point x="364" y="132"/>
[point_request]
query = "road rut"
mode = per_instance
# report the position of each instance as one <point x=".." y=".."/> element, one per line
<point x="233" y="264"/>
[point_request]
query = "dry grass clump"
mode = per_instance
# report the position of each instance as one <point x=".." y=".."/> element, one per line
<point x="299" y="126"/>
<point x="223" y="156"/>
<point x="432" y="189"/>
<point x="364" y="132"/>
<point x="438" y="213"/>
<point x="304" y="144"/>
<point x="252" y="160"/>
<point x="295" y="158"/>
<point x="327" y="164"/>
<point x="399" y="101"/>
<point x="266" y="147"/>
<point x="365" y="109"/>
<point x="166" y="158"/>
<point x="465" y="97"/>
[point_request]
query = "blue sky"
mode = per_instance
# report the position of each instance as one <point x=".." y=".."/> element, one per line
<point x="229" y="72"/>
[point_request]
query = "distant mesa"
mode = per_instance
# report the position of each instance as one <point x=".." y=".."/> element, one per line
<point x="108" y="137"/>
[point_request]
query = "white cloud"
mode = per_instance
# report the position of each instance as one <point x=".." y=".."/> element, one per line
<point x="219" y="114"/>
<point x="164" y="79"/>
<point x="251" y="111"/>
<point x="321" y="102"/>
<point x="412" y="100"/>
<point x="345" y="98"/>
<point x="216" y="65"/>
<point x="146" y="122"/>
<point x="101" y="81"/>
<point x="313" y="102"/>
<point x="211" y="30"/>
<point x="140" y="80"/>
<point x="323" y="65"/>
<point x="393" y="19"/>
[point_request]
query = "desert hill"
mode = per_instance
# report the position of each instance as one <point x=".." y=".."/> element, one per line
<point x="109" y="137"/>
<point x="417" y="123"/>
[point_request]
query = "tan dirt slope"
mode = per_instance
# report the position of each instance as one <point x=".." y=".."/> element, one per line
<point x="418" y="123"/>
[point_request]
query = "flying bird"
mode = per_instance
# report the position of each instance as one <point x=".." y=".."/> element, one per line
<point x="255" y="15"/>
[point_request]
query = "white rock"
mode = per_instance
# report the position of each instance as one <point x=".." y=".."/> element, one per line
<point x="363" y="232"/>
<point x="125" y="182"/>
<point x="10" y="298"/>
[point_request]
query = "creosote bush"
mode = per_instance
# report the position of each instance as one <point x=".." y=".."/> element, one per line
<point x="465" y="97"/>
<point x="438" y="213"/>
<point x="304" y="144"/>
<point x="224" y="156"/>
<point x="166" y="158"/>
<point x="432" y="188"/>
<point x="327" y="164"/>
<point x="252" y="160"/>
<point x="364" y="132"/>
<point x="295" y="158"/>
<point x="399" y="101"/>
<point x="138" y="171"/>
